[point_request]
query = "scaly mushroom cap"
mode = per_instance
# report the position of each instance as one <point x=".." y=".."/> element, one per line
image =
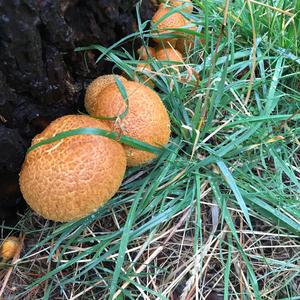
<point x="169" y="54"/>
<point x="74" y="176"/>
<point x="145" y="52"/>
<point x="172" y="22"/>
<point x="147" y="119"/>
<point x="188" y="5"/>
<point x="185" y="44"/>
<point x="95" y="87"/>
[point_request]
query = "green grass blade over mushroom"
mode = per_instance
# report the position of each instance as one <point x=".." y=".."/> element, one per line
<point x="101" y="132"/>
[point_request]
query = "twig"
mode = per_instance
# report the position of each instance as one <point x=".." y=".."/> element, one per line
<point x="273" y="8"/>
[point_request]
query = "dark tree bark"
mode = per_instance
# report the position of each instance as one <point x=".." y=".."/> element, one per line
<point x="41" y="77"/>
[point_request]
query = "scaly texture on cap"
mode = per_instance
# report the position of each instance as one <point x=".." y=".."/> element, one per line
<point x="95" y="87"/>
<point x="187" y="5"/>
<point x="185" y="44"/>
<point x="147" y="119"/>
<point x="167" y="25"/>
<point x="169" y="54"/>
<point x="72" y="177"/>
<point x="145" y="52"/>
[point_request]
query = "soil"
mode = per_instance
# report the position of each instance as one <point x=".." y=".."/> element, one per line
<point x="41" y="77"/>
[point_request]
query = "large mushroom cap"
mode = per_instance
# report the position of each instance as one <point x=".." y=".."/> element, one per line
<point x="95" y="87"/>
<point x="72" y="177"/>
<point x="147" y="119"/>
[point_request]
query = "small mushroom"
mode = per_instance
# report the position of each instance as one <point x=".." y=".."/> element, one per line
<point x="72" y="177"/>
<point x="169" y="54"/>
<point x="145" y="52"/>
<point x="185" y="44"/>
<point x="9" y="248"/>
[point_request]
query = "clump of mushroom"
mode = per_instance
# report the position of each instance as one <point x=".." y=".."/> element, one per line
<point x="72" y="177"/>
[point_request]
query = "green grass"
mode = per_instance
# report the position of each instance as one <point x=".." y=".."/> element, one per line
<point x="219" y="210"/>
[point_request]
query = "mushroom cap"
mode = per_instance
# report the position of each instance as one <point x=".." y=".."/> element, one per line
<point x="9" y="248"/>
<point x="188" y="5"/>
<point x="142" y="67"/>
<point x="170" y="54"/>
<point x="145" y="52"/>
<point x="147" y="119"/>
<point x="95" y="87"/>
<point x="72" y="177"/>
<point x="185" y="44"/>
<point x="175" y="20"/>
